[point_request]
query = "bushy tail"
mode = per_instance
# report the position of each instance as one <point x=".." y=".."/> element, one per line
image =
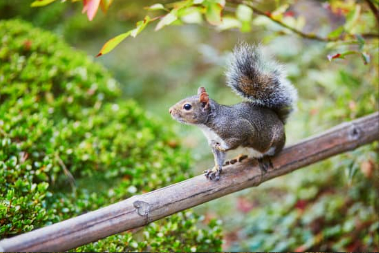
<point x="261" y="80"/>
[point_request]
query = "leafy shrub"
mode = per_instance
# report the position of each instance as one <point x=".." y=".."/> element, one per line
<point x="62" y="118"/>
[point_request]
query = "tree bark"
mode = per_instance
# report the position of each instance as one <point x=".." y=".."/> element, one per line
<point x="142" y="209"/>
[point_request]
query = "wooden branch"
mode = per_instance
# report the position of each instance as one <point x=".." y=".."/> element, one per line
<point x="142" y="209"/>
<point x="310" y="36"/>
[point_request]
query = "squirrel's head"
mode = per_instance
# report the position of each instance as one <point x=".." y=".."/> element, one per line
<point x="192" y="110"/>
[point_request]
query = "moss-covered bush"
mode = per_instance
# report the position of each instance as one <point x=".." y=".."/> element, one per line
<point x="62" y="118"/>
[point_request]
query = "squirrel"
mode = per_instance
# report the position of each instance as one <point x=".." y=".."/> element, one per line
<point x="256" y="124"/>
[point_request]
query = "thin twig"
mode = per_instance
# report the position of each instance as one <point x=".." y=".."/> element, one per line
<point x="374" y="10"/>
<point x="296" y="31"/>
<point x="70" y="177"/>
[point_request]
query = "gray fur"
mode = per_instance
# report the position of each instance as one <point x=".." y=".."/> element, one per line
<point x="257" y="124"/>
<point x="248" y="63"/>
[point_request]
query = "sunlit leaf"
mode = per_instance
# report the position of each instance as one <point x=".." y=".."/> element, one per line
<point x="156" y="7"/>
<point x="244" y="13"/>
<point x="140" y="26"/>
<point x="229" y="23"/>
<point x="166" y="20"/>
<point x="41" y="3"/>
<point x="104" y="4"/>
<point x="91" y="7"/>
<point x="213" y="13"/>
<point x="192" y="15"/>
<point x="352" y="17"/>
<point x="112" y="43"/>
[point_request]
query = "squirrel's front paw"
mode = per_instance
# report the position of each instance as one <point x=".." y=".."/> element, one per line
<point x="213" y="174"/>
<point x="217" y="146"/>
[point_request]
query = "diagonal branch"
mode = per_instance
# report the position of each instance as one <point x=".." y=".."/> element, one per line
<point x="311" y="36"/>
<point x="142" y="209"/>
<point x="374" y="10"/>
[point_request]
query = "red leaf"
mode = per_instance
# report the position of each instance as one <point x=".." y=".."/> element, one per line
<point x="91" y="7"/>
<point x="330" y="57"/>
<point x="301" y="204"/>
<point x="289" y="14"/>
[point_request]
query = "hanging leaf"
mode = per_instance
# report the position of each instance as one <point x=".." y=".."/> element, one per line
<point x="112" y="43"/>
<point x="341" y="55"/>
<point x="155" y="7"/>
<point x="104" y="4"/>
<point x="91" y="7"/>
<point x="192" y="15"/>
<point x="166" y="20"/>
<point x="352" y="17"/>
<point x="229" y="23"/>
<point x="366" y="58"/>
<point x="244" y="14"/>
<point x="39" y="3"/>
<point x="213" y="13"/>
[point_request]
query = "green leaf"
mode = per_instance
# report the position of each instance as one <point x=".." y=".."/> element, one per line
<point x="191" y="15"/>
<point x="336" y="33"/>
<point x="244" y="13"/>
<point x="361" y="41"/>
<point x="352" y="17"/>
<point x="366" y="58"/>
<point x="104" y="4"/>
<point x="39" y="3"/>
<point x="166" y="20"/>
<point x="140" y="26"/>
<point x="213" y="13"/>
<point x="112" y="43"/>
<point x="229" y="23"/>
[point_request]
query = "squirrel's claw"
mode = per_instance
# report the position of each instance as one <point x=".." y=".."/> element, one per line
<point x="264" y="164"/>
<point x="213" y="174"/>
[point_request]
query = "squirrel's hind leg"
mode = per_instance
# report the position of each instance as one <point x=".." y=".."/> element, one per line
<point x="239" y="159"/>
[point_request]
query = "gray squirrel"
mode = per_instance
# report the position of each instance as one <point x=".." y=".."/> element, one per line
<point x="256" y="124"/>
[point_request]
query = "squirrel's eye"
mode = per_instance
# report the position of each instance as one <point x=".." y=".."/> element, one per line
<point x="187" y="107"/>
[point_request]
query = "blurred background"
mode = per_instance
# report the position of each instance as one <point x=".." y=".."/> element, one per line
<point x="330" y="206"/>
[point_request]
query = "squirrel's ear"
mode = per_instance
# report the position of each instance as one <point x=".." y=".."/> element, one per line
<point x="200" y="90"/>
<point x="203" y="97"/>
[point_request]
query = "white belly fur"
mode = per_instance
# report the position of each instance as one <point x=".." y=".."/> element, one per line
<point x="212" y="136"/>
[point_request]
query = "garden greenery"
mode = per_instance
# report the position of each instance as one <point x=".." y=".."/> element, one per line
<point x="69" y="145"/>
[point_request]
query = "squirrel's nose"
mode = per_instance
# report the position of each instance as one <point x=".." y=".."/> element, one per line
<point x="170" y="110"/>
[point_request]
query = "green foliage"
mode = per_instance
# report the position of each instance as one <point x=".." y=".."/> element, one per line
<point x="226" y="15"/>
<point x="165" y="238"/>
<point x="318" y="213"/>
<point x="62" y="118"/>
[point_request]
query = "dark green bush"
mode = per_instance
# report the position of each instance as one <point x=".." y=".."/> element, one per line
<point x="61" y="117"/>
